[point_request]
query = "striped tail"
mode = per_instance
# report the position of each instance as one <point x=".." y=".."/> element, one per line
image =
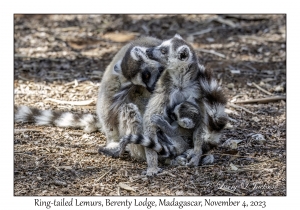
<point x="217" y="118"/>
<point x="215" y="102"/>
<point x="87" y="122"/>
<point x="163" y="147"/>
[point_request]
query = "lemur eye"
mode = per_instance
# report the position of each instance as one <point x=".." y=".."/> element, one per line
<point x="161" y="69"/>
<point x="146" y="75"/>
<point x="163" y="51"/>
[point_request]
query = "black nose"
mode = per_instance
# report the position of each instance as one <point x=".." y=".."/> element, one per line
<point x="149" y="53"/>
<point x="161" y="69"/>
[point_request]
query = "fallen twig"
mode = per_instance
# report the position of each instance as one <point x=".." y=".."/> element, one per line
<point x="240" y="170"/>
<point x="262" y="100"/>
<point x="230" y="191"/>
<point x="240" y="107"/>
<point x="201" y="32"/>
<point x="239" y="156"/>
<point x="224" y="21"/>
<point x="264" y="161"/>
<point x="166" y="173"/>
<point x="261" y="89"/>
<point x="75" y="103"/>
<point x="22" y="153"/>
<point x="212" y="52"/>
<point x="17" y="131"/>
<point x="103" y="176"/>
<point x="91" y="152"/>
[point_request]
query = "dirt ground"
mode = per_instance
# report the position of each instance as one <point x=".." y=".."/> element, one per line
<point x="63" y="57"/>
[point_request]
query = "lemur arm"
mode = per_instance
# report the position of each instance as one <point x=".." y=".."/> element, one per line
<point x="170" y="130"/>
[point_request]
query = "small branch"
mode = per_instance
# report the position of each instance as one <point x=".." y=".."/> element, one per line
<point x="230" y="191"/>
<point x="262" y="100"/>
<point x="240" y="107"/>
<point x="224" y="21"/>
<point x="201" y="32"/>
<point x="75" y="103"/>
<point x="166" y="173"/>
<point x="212" y="52"/>
<point x="261" y="89"/>
<point x="17" y="131"/>
<point x="103" y="175"/>
<point x="92" y="152"/>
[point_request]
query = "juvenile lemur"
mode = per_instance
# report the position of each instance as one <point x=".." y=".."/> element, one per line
<point x="182" y="78"/>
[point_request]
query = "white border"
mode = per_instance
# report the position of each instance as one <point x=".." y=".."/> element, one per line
<point x="8" y="201"/>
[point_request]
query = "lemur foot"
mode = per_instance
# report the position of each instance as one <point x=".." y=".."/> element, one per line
<point x="193" y="158"/>
<point x="152" y="171"/>
<point x="157" y="119"/>
<point x="186" y="123"/>
<point x="209" y="159"/>
<point x="112" y="149"/>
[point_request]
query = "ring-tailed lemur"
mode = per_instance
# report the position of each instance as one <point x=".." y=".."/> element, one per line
<point x="130" y="73"/>
<point x="124" y="92"/>
<point x="178" y="82"/>
<point x="212" y="99"/>
<point x="182" y="78"/>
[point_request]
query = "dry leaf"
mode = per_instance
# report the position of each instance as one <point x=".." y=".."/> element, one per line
<point x="179" y="193"/>
<point x="65" y="167"/>
<point x="126" y="187"/>
<point x="255" y="119"/>
<point x="258" y="137"/>
<point x="233" y="167"/>
<point x="120" y="37"/>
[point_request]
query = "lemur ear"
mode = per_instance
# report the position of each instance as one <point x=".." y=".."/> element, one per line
<point x="136" y="53"/>
<point x="177" y="36"/>
<point x="117" y="68"/>
<point x="183" y="54"/>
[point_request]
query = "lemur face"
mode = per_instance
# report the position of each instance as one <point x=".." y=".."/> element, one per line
<point x="139" y="68"/>
<point x="173" y="52"/>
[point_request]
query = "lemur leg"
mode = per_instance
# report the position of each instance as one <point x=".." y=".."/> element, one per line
<point x="164" y="126"/>
<point x="170" y="130"/>
<point x="194" y="155"/>
<point x="151" y="155"/>
<point x="112" y="146"/>
<point x="130" y="122"/>
<point x="152" y="162"/>
<point x="111" y="133"/>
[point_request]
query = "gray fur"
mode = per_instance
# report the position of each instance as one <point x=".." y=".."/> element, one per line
<point x="178" y="82"/>
<point x="183" y="78"/>
<point x="173" y="139"/>
<point x="125" y="91"/>
<point x="176" y="53"/>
